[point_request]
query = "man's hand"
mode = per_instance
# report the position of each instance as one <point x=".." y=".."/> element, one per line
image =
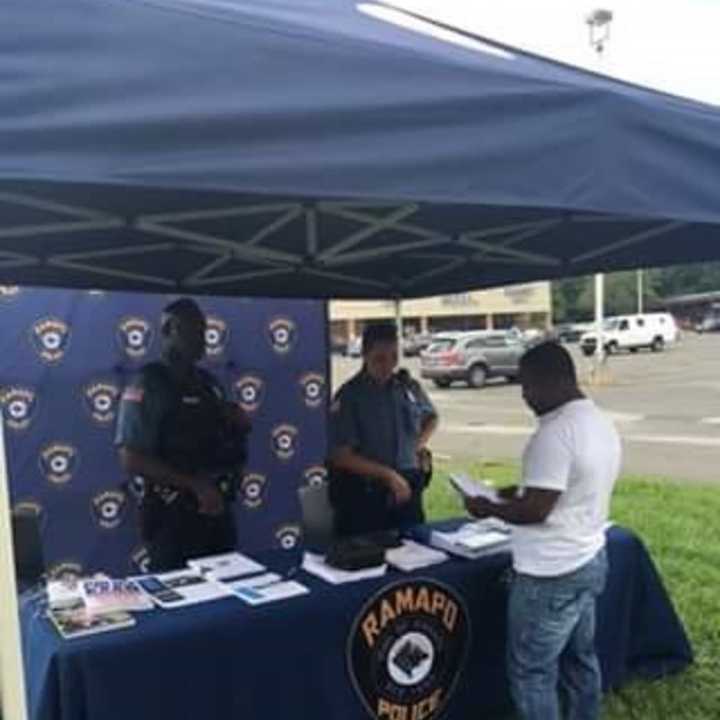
<point x="399" y="487"/>
<point x="508" y="493"/>
<point x="209" y="497"/>
<point x="479" y="507"/>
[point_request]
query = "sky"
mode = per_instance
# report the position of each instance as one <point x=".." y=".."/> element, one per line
<point x="669" y="45"/>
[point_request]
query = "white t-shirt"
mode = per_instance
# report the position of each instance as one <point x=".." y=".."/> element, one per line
<point x="575" y="450"/>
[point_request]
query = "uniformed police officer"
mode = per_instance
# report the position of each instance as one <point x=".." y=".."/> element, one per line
<point x="380" y="423"/>
<point x="178" y="434"/>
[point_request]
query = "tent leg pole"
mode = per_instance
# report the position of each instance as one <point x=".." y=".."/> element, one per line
<point x="399" y="324"/>
<point x="12" y="681"/>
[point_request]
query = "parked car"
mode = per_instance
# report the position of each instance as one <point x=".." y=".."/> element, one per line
<point x="569" y="333"/>
<point x="711" y="323"/>
<point x="472" y="357"/>
<point x="414" y="345"/>
<point x="654" y="331"/>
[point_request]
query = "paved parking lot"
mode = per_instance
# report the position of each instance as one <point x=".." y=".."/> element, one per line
<point x="666" y="406"/>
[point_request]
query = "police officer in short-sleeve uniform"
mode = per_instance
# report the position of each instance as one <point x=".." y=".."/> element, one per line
<point x="380" y="423"/>
<point x="186" y="444"/>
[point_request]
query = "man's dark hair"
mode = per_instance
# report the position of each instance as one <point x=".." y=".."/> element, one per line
<point x="375" y="333"/>
<point x="178" y="308"/>
<point x="550" y="361"/>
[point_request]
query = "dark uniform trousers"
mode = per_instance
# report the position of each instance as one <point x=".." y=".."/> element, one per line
<point x="366" y="505"/>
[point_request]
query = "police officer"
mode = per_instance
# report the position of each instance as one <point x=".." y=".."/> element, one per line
<point x="186" y="443"/>
<point x="380" y="423"/>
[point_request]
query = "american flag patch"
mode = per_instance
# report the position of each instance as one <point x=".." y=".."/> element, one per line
<point x="133" y="394"/>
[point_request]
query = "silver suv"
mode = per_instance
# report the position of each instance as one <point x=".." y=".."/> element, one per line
<point x="472" y="357"/>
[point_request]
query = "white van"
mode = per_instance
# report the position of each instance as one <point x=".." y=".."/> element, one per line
<point x="654" y="331"/>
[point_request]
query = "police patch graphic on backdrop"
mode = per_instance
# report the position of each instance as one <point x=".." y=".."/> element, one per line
<point x="50" y="338"/>
<point x="140" y="561"/>
<point x="8" y="292"/>
<point x="282" y="332"/>
<point x="134" y="336"/>
<point x="288" y="536"/>
<point x="67" y="570"/>
<point x="19" y="405"/>
<point x="312" y="386"/>
<point x="284" y="441"/>
<point x="217" y="335"/>
<point x="252" y="490"/>
<point x="58" y="462"/>
<point x="407" y="649"/>
<point x="108" y="508"/>
<point x="315" y="476"/>
<point x="249" y="392"/>
<point x="101" y="399"/>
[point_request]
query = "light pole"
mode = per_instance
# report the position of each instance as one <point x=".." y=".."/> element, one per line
<point x="598" y="22"/>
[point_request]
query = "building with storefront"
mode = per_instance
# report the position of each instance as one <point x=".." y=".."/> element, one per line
<point x="522" y="306"/>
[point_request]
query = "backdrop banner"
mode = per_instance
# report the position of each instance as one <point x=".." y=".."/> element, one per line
<point x="64" y="359"/>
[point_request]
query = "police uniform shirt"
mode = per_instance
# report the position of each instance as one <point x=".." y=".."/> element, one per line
<point x="380" y="422"/>
<point x="150" y="398"/>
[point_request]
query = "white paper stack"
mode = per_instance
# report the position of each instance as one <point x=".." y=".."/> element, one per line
<point x="225" y="566"/>
<point x="103" y="595"/>
<point x="316" y="565"/>
<point x="471" y="541"/>
<point x="413" y="556"/>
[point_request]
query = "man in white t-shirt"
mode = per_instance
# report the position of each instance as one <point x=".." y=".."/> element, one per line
<point x="559" y="513"/>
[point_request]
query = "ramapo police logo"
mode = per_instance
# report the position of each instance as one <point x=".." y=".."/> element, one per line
<point x="288" y="536"/>
<point x="252" y="490"/>
<point x="9" y="292"/>
<point x="19" y="406"/>
<point x="101" y="398"/>
<point x="58" y="462"/>
<point x="217" y="335"/>
<point x="108" y="508"/>
<point x="407" y="648"/>
<point x="134" y="336"/>
<point x="315" y="476"/>
<point x="249" y="391"/>
<point x="312" y="386"/>
<point x="50" y="338"/>
<point x="283" y="334"/>
<point x="284" y="441"/>
<point x="67" y="571"/>
<point x="140" y="561"/>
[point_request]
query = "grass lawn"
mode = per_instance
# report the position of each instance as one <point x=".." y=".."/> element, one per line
<point x="680" y="524"/>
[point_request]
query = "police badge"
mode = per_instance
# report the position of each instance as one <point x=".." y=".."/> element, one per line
<point x="283" y="334"/>
<point x="58" y="462"/>
<point x="108" y="508"/>
<point x="252" y="489"/>
<point x="312" y="386"/>
<point x="19" y="406"/>
<point x="249" y="392"/>
<point x="284" y="441"/>
<point x="50" y="338"/>
<point x="315" y="476"/>
<point x="134" y="336"/>
<point x="217" y="336"/>
<point x="101" y="398"/>
<point x="288" y="536"/>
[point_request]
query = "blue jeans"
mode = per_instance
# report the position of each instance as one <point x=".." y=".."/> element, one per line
<point x="551" y="643"/>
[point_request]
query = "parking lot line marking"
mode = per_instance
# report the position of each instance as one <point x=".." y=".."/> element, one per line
<point x="519" y="430"/>
<point x="710" y="420"/>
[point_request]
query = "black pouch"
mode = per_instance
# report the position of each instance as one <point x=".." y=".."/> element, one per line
<point x="355" y="554"/>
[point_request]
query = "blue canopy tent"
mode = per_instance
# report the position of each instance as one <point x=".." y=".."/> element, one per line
<point x="310" y="148"/>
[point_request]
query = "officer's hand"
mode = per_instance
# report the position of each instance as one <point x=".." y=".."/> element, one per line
<point x="478" y="507"/>
<point x="399" y="487"/>
<point x="210" y="500"/>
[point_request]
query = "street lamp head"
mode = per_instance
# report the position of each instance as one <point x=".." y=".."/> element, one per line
<point x="599" y="18"/>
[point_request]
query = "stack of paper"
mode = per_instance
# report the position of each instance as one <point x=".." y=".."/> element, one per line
<point x="469" y="541"/>
<point x="76" y="621"/>
<point x="181" y="588"/>
<point x="225" y="566"/>
<point x="413" y="556"/>
<point x="474" y="488"/>
<point x="103" y="596"/>
<point x="316" y="565"/>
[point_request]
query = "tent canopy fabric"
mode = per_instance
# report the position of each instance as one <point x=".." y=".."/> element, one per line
<point x="317" y="148"/>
